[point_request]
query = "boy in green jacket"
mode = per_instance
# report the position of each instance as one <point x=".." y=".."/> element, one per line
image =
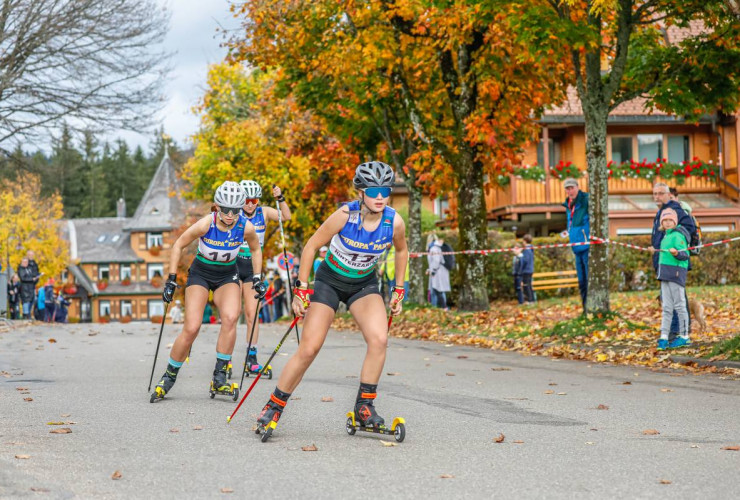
<point x="673" y="265"/>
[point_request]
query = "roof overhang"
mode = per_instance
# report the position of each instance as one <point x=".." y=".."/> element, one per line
<point x="623" y="119"/>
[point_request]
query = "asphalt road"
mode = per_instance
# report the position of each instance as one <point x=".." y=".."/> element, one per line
<point x="455" y="400"/>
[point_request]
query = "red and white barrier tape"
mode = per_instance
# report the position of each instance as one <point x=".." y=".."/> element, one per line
<point x="594" y="241"/>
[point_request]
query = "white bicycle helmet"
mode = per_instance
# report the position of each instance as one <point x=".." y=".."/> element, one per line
<point x="252" y="189"/>
<point x="230" y="195"/>
<point x="373" y="174"/>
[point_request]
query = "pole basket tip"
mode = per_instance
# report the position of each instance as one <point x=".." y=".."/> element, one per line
<point x="228" y="420"/>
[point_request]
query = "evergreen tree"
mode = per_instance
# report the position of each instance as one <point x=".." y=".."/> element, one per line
<point x="65" y="169"/>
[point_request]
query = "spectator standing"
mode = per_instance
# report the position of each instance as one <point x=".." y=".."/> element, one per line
<point x="662" y="198"/>
<point x="60" y="314"/>
<point x="322" y="255"/>
<point x="279" y="290"/>
<point x="526" y="268"/>
<point x="40" y="312"/>
<point x="208" y="314"/>
<point x="516" y="271"/>
<point x="14" y="296"/>
<point x="28" y="286"/>
<point x="49" y="301"/>
<point x="176" y="312"/>
<point x="31" y="255"/>
<point x="579" y="231"/>
<point x="439" y="276"/>
<point x="673" y="264"/>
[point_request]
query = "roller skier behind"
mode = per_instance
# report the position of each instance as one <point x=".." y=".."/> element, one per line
<point x="358" y="234"/>
<point x="220" y="235"/>
<point x="258" y="216"/>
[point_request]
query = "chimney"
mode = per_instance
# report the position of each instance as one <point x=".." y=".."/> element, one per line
<point x="121" y="208"/>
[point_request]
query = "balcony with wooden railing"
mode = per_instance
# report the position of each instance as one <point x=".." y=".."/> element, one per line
<point x="551" y="191"/>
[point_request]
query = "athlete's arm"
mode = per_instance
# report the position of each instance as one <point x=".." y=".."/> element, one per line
<point x="402" y="259"/>
<point x="321" y="237"/>
<point x="190" y="235"/>
<point x="250" y="237"/>
<point x="272" y="213"/>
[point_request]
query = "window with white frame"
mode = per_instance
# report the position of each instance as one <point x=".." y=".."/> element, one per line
<point x="125" y="272"/>
<point x="155" y="269"/>
<point x="553" y="152"/>
<point x="441" y="206"/>
<point x="104" y="308"/>
<point x="155" y="308"/>
<point x="103" y="271"/>
<point x="153" y="240"/>
<point x="126" y="308"/>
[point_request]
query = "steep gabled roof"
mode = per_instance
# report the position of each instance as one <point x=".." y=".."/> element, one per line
<point x="161" y="208"/>
<point x="101" y="239"/>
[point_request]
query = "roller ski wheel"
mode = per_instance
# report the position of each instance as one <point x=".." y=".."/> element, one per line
<point x="225" y="390"/>
<point x="229" y="370"/>
<point x="163" y="386"/>
<point x="265" y="430"/>
<point x="157" y="395"/>
<point x="397" y="429"/>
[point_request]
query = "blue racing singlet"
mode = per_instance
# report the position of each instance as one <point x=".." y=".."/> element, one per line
<point x="221" y="247"/>
<point x="258" y="221"/>
<point x="354" y="252"/>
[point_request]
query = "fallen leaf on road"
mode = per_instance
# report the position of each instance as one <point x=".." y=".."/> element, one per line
<point x="327" y="399"/>
<point x="501" y="369"/>
<point x="666" y="390"/>
<point x="499" y="439"/>
<point x="347" y="376"/>
<point x="426" y="359"/>
<point x="27" y="399"/>
<point x="311" y="447"/>
<point x="116" y="475"/>
<point x="450" y="374"/>
<point x="462" y="357"/>
<point x="602" y="357"/>
<point x="392" y="374"/>
<point x="589" y="442"/>
<point x="731" y="448"/>
<point x="627" y="383"/>
<point x="602" y="407"/>
<point x="5" y="374"/>
<point x="593" y="429"/>
<point x="21" y="388"/>
<point x="562" y="393"/>
<point x="198" y="428"/>
<point x="52" y="341"/>
<point x="388" y="443"/>
<point x="169" y="346"/>
<point x="92" y="334"/>
<point x="174" y="430"/>
<point x="23" y="457"/>
<point x="549" y="391"/>
<point x="552" y="383"/>
<point x="518" y="442"/>
<point x="54" y="423"/>
<point x="227" y="490"/>
<point x="65" y="415"/>
<point x="694" y="445"/>
<point x="650" y="432"/>
<point x="447" y="476"/>
<point x="665" y="481"/>
<point x="40" y="490"/>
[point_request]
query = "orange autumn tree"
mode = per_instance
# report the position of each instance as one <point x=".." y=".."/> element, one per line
<point x="248" y="132"/>
<point x="451" y="71"/>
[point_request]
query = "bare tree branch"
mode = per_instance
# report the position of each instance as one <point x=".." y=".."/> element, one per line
<point x="91" y="63"/>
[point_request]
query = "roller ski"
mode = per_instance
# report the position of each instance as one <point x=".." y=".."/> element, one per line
<point x="165" y="384"/>
<point x="253" y="367"/>
<point x="366" y="419"/>
<point x="219" y="385"/>
<point x="268" y="419"/>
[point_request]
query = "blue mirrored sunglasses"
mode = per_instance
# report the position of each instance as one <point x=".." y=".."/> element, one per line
<point x="373" y="192"/>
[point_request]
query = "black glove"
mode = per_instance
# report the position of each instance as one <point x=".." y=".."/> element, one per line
<point x="169" y="288"/>
<point x="259" y="286"/>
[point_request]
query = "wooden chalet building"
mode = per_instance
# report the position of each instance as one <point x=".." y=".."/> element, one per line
<point x="118" y="264"/>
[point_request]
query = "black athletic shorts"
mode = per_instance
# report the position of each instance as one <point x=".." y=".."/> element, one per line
<point x="331" y="288"/>
<point x="211" y="276"/>
<point x="246" y="271"/>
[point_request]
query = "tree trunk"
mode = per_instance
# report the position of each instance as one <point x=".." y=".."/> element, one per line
<point x="417" y="291"/>
<point x="472" y="226"/>
<point x="598" y="187"/>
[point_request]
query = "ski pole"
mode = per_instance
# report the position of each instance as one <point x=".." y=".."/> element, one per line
<point x="159" y="340"/>
<point x="287" y="266"/>
<point x="290" y="328"/>
<point x="251" y="335"/>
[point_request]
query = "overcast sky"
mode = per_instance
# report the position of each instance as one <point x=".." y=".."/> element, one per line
<point x="193" y="40"/>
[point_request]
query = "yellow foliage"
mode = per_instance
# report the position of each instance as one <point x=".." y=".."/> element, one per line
<point x="30" y="222"/>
